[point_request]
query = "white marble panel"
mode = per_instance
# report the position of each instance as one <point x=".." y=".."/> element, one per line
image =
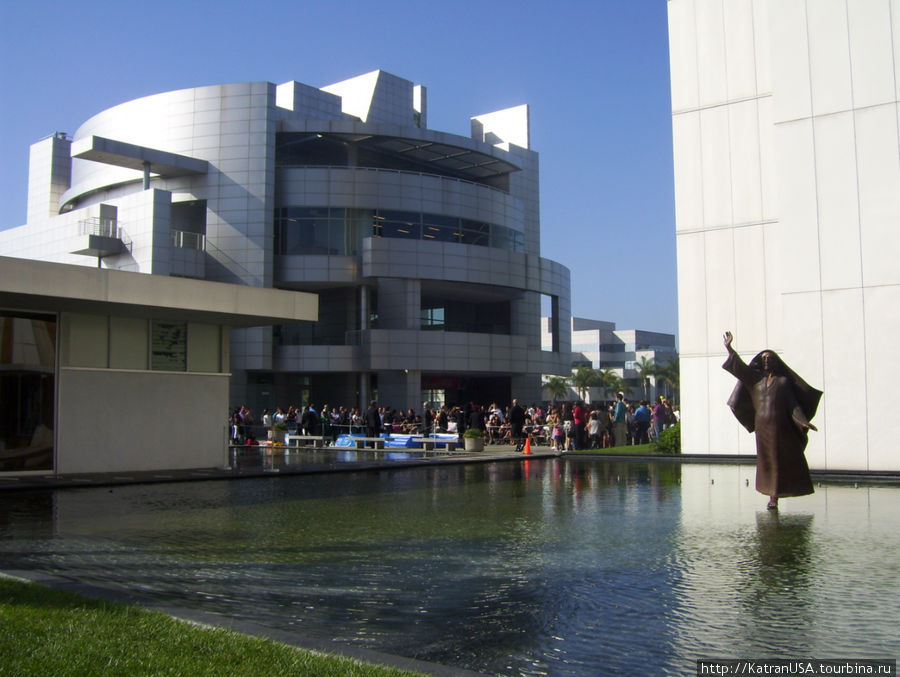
<point x="683" y="54"/>
<point x="724" y="429"/>
<point x="711" y="52"/>
<point x="767" y="159"/>
<point x="762" y="48"/>
<point x="829" y="56"/>
<point x="871" y="52"/>
<point x="838" y="207"/>
<point x="882" y="327"/>
<point x="740" y="61"/>
<point x="751" y="302"/>
<point x="716" y="167"/>
<point x="802" y="348"/>
<point x="878" y="161"/>
<point x="688" y="171"/>
<point x="746" y="186"/>
<point x="845" y="404"/>
<point x="720" y="285"/>
<point x="694" y="403"/>
<point x="895" y="39"/>
<point x="773" y="284"/>
<point x="691" y="293"/>
<point x="790" y="59"/>
<point x="799" y="245"/>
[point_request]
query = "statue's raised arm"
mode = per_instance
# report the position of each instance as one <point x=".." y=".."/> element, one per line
<point x="728" y="339"/>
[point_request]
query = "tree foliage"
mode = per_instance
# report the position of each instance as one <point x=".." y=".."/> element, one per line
<point x="583" y="378"/>
<point x="557" y="387"/>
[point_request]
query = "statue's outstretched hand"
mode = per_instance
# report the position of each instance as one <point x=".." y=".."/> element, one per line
<point x="728" y="338"/>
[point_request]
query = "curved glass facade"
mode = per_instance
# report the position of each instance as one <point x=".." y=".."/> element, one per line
<point x="339" y="231"/>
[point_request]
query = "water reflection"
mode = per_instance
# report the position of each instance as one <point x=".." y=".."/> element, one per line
<point x="774" y="579"/>
<point x="575" y="567"/>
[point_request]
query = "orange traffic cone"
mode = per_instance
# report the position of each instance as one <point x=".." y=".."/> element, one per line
<point x="527" y="446"/>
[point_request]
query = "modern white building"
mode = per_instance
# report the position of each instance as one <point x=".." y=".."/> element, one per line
<point x="599" y="345"/>
<point x="422" y="246"/>
<point x="787" y="198"/>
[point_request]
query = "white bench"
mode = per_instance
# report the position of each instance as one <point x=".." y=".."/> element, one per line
<point x="429" y="443"/>
<point x="377" y="442"/>
<point x="304" y="440"/>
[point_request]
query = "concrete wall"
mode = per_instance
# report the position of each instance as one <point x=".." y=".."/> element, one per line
<point x="120" y="421"/>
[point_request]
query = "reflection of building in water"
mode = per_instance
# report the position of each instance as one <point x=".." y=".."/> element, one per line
<point x="787" y="199"/>
<point x="760" y="582"/>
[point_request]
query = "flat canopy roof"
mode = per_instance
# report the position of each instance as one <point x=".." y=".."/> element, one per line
<point x="43" y="286"/>
<point x="121" y="154"/>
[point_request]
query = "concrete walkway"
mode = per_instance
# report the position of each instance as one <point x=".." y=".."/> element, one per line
<point x="257" y="462"/>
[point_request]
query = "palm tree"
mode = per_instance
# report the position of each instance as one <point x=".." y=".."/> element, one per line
<point x="671" y="376"/>
<point x="645" y="368"/>
<point x="583" y="378"/>
<point x="611" y="381"/>
<point x="557" y="387"/>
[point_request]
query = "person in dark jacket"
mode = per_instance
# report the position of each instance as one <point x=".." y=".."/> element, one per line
<point x="517" y="424"/>
<point x="373" y="420"/>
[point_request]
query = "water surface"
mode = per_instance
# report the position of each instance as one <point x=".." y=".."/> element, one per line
<point x="539" y="567"/>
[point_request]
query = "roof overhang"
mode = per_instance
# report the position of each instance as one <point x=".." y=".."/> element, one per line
<point x="131" y="156"/>
<point x="431" y="155"/>
<point x="41" y="286"/>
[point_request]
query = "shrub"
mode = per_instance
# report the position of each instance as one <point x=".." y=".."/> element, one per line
<point x="473" y="432"/>
<point x="669" y="441"/>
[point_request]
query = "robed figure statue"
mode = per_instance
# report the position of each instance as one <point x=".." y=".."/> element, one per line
<point x="771" y="400"/>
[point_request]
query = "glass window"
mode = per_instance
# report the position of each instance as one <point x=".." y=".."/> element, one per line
<point x="28" y="389"/>
<point x="475" y="233"/>
<point x="504" y="238"/>
<point x="168" y="346"/>
<point x="340" y="231"/>
<point x="407" y="225"/>
<point x="358" y="224"/>
<point x="432" y="318"/>
<point x="440" y="228"/>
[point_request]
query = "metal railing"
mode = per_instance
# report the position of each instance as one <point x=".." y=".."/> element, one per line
<point x="183" y="239"/>
<point x="95" y="225"/>
<point x="102" y="227"/>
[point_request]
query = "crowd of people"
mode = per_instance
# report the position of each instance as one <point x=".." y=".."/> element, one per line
<point x="566" y="426"/>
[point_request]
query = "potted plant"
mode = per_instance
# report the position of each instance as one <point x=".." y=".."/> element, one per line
<point x="474" y="439"/>
<point x="278" y="431"/>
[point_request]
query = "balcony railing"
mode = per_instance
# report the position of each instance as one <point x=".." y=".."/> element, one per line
<point x="103" y="227"/>
<point x="183" y="239"/>
<point x="98" y="226"/>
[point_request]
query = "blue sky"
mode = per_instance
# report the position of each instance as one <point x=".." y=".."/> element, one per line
<point x="595" y="74"/>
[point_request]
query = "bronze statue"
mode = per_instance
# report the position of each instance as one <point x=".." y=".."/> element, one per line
<point x="773" y="401"/>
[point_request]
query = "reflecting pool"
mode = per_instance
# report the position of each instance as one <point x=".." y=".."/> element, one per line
<point x="536" y="567"/>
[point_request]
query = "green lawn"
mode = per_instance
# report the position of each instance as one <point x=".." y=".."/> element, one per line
<point x="52" y="632"/>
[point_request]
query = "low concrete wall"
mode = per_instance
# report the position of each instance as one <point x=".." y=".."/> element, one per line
<point x="119" y="421"/>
